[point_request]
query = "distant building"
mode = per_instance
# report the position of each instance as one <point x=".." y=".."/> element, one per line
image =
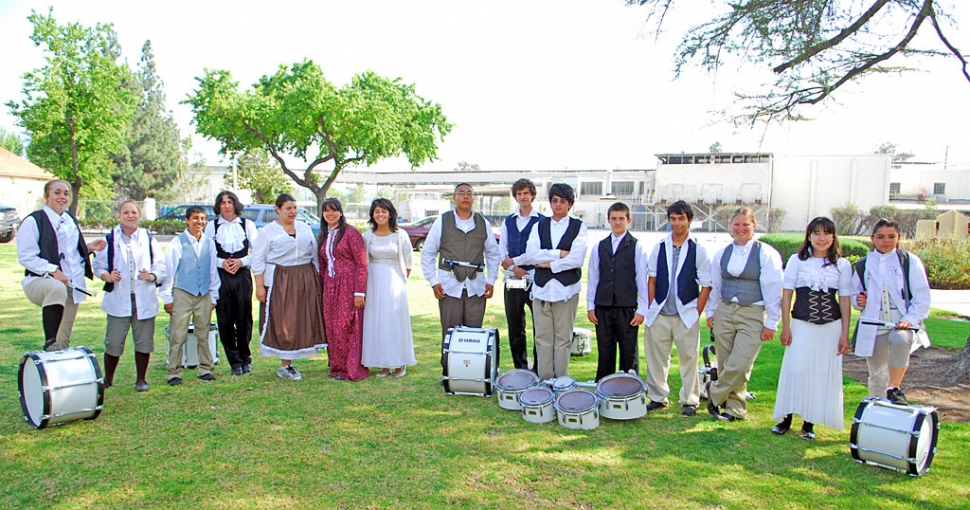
<point x="21" y="183"/>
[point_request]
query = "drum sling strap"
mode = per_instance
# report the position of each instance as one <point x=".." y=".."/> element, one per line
<point x="110" y="238"/>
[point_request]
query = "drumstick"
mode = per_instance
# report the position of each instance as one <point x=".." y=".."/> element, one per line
<point x="876" y="322"/>
<point x="82" y="290"/>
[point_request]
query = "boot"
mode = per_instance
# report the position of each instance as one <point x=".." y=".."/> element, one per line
<point x="110" y="364"/>
<point x="141" y="368"/>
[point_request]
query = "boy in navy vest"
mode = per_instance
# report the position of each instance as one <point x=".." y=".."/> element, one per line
<point x="515" y="236"/>
<point x="557" y="248"/>
<point x="678" y="266"/>
<point x="616" y="294"/>
<point x="192" y="291"/>
<point x="55" y="257"/>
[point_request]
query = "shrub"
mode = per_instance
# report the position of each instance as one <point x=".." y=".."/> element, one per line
<point x="788" y="245"/>
<point x="947" y="261"/>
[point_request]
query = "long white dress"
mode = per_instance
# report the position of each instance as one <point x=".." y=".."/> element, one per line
<point x="387" y="320"/>
<point x="810" y="383"/>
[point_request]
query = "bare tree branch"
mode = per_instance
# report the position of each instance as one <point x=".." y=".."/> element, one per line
<point x="939" y="33"/>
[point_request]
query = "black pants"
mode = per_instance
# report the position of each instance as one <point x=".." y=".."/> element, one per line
<point x="614" y="330"/>
<point x="234" y="313"/>
<point x="515" y="302"/>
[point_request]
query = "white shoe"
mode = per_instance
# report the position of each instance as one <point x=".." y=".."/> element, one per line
<point x="289" y="373"/>
<point x="384" y="373"/>
<point x="402" y="373"/>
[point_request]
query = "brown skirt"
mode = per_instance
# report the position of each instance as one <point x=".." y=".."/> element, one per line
<point x="291" y="321"/>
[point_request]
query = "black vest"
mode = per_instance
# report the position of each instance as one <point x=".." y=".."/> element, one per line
<point x="223" y="254"/>
<point x="518" y="239"/>
<point x="544" y="274"/>
<point x="613" y="290"/>
<point x="687" y="289"/>
<point x="110" y="239"/>
<point x="47" y="241"/>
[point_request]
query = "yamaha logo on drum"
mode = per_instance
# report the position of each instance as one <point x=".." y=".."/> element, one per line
<point x="469" y="340"/>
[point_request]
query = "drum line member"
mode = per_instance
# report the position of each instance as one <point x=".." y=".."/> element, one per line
<point x="557" y="248"/>
<point x="52" y="250"/>
<point x="286" y="268"/>
<point x="679" y="285"/>
<point x="810" y="383"/>
<point x="388" y="342"/>
<point x="901" y="295"/>
<point x="234" y="237"/>
<point x="343" y="275"/>
<point x="192" y="290"/>
<point x="459" y="246"/>
<point x="131" y="267"/>
<point x="616" y="294"/>
<point x="515" y="234"/>
<point x="743" y="311"/>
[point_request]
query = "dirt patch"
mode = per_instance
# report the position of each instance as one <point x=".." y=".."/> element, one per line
<point x="921" y="383"/>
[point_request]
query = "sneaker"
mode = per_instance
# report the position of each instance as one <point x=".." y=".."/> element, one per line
<point x="175" y="381"/>
<point x="141" y="386"/>
<point x="247" y="368"/>
<point x="237" y="370"/>
<point x="896" y="396"/>
<point x="688" y="411"/>
<point x="653" y="406"/>
<point x="289" y="373"/>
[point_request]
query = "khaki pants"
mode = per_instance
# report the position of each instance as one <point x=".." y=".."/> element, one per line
<point x="199" y="308"/>
<point x="737" y="337"/>
<point x="554" y="335"/>
<point x="666" y="331"/>
<point x="48" y="291"/>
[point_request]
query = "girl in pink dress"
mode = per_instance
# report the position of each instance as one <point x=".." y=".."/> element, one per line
<point x="343" y="272"/>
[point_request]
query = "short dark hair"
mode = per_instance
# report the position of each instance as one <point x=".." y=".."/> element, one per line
<point x="385" y="204"/>
<point x="193" y="209"/>
<point x="618" y="207"/>
<point x="284" y="198"/>
<point x="563" y="191"/>
<point x="885" y="222"/>
<point x="236" y="204"/>
<point x="522" y="184"/>
<point x="681" y="207"/>
<point x="460" y="184"/>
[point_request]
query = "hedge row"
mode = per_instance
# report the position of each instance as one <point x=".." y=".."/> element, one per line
<point x="788" y="245"/>
<point x="158" y="227"/>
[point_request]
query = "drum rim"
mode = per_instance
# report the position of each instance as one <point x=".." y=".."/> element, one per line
<point x="551" y="400"/>
<point x="572" y="383"/>
<point x="620" y="398"/>
<point x="593" y="407"/>
<point x="534" y="379"/>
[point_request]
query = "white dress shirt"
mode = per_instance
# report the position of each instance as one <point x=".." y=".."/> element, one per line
<point x="884" y="270"/>
<point x="554" y="291"/>
<point x="274" y="247"/>
<point x="688" y="313"/>
<point x="639" y="261"/>
<point x="28" y="250"/>
<point x="771" y="279"/>
<point x="174" y="255"/>
<point x="230" y="236"/>
<point x="449" y="284"/>
<point x="117" y="303"/>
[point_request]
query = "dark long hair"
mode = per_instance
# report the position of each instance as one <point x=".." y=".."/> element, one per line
<point x="825" y="225"/>
<point x="385" y="204"/>
<point x="334" y="205"/>
<point x="237" y="206"/>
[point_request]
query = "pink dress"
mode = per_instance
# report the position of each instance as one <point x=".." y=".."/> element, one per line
<point x="343" y="274"/>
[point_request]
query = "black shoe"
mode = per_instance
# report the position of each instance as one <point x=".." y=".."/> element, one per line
<point x="688" y="411"/>
<point x="207" y="377"/>
<point x="653" y="406"/>
<point x="49" y="344"/>
<point x="808" y="432"/>
<point x="896" y="396"/>
<point x="175" y="381"/>
<point x="247" y="368"/>
<point x="711" y="406"/>
<point x="141" y="386"/>
<point x="781" y="428"/>
<point x="725" y="417"/>
<point x="237" y="370"/>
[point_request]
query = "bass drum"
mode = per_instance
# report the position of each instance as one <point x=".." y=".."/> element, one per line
<point x="622" y="397"/>
<point x="60" y="387"/>
<point x="578" y="409"/>
<point x="901" y="438"/>
<point x="538" y="405"/>
<point x="469" y="361"/>
<point x="511" y="384"/>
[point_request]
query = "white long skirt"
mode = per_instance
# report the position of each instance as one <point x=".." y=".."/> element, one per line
<point x="387" y="319"/>
<point x="810" y="384"/>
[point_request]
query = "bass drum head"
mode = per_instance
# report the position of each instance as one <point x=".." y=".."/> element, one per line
<point x="33" y="400"/>
<point x="620" y="386"/>
<point x="517" y="379"/>
<point x="924" y="449"/>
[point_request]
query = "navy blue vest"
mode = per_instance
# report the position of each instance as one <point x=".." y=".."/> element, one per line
<point x="543" y="274"/>
<point x="518" y="240"/>
<point x="618" y="273"/>
<point x="687" y="289"/>
<point x="48" y="243"/>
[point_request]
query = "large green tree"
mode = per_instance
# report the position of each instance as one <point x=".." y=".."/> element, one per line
<point x="258" y="173"/>
<point x="297" y="113"/>
<point x="148" y="164"/>
<point x="75" y="108"/>
<point x="11" y="141"/>
<point x="814" y="47"/>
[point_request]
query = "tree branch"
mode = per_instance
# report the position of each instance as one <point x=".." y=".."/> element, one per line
<point x="306" y="182"/>
<point x="939" y="33"/>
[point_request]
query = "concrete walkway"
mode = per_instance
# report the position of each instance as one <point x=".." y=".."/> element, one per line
<point x="957" y="301"/>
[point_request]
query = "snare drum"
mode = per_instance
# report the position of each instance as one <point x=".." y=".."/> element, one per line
<point x="537" y="404"/>
<point x="622" y="397"/>
<point x="469" y="359"/>
<point x="563" y="384"/>
<point x="190" y="351"/>
<point x="901" y="438"/>
<point x="62" y="386"/>
<point x="578" y="409"/>
<point x="582" y="343"/>
<point x="511" y="384"/>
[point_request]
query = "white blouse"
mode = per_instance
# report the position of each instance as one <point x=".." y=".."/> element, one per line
<point x="812" y="274"/>
<point x="274" y="247"/>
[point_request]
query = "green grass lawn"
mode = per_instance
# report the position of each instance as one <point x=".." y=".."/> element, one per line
<point x="261" y="442"/>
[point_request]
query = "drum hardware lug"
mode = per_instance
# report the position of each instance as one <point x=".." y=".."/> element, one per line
<point x="880" y="452"/>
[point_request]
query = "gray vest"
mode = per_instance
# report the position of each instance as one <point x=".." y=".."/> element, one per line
<point x="192" y="274"/>
<point x="746" y="287"/>
<point x="459" y="246"/>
